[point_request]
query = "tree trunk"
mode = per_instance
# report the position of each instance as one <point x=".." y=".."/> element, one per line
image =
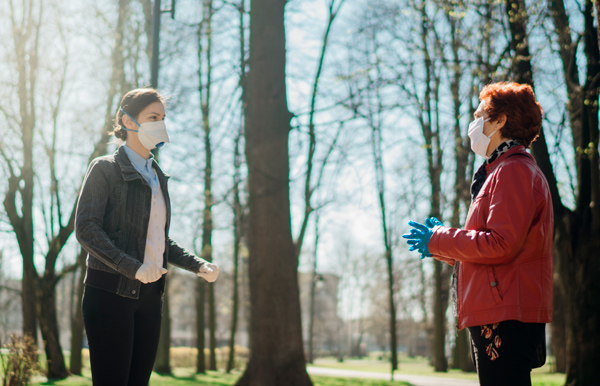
<point x="277" y="355"/>
<point x="559" y="329"/>
<point x="77" y="326"/>
<point x="200" y="326"/>
<point x="377" y="149"/>
<point x="440" y="363"/>
<point x="461" y="358"/>
<point x="38" y="294"/>
<point x="46" y="301"/>
<point x="25" y="35"/>
<point x="581" y="281"/>
<point x="212" y="328"/>
<point x="461" y="352"/>
<point x="237" y="205"/>
<point x="583" y="317"/>
<point x="237" y="236"/>
<point x="577" y="233"/>
<point x="313" y="287"/>
<point x="431" y="130"/>
<point x="562" y="247"/>
<point x="205" y="77"/>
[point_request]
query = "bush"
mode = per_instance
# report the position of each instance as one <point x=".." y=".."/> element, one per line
<point x="19" y="361"/>
<point x="186" y="357"/>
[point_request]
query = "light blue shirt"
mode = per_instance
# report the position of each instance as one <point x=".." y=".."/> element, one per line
<point x="144" y="167"/>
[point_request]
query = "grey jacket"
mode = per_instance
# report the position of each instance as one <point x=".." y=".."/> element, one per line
<point x="111" y="224"/>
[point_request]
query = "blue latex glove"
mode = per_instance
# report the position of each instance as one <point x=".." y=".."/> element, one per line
<point x="432" y="222"/>
<point x="419" y="236"/>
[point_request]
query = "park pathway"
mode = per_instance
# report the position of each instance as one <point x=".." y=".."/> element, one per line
<point x="415" y="380"/>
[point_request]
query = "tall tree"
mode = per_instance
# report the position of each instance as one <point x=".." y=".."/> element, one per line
<point x="238" y="214"/>
<point x="276" y="350"/>
<point x="205" y="39"/>
<point x="117" y="84"/>
<point x="368" y="101"/>
<point x="333" y="9"/>
<point x="25" y="25"/>
<point x="238" y="221"/>
<point x="429" y="120"/>
<point x="454" y="14"/>
<point x="377" y="150"/>
<point x="26" y="29"/>
<point x="313" y="287"/>
<point x="38" y="300"/>
<point x="425" y="94"/>
<point x="567" y="52"/>
<point x="577" y="231"/>
<point x="77" y="327"/>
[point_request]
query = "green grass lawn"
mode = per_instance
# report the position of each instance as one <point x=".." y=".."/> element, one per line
<point x="416" y="366"/>
<point x="185" y="377"/>
<point x="420" y="366"/>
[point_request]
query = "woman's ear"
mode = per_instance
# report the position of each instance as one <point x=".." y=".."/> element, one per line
<point x="128" y="122"/>
<point x="501" y="121"/>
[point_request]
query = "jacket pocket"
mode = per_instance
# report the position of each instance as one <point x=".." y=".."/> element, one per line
<point x="493" y="285"/>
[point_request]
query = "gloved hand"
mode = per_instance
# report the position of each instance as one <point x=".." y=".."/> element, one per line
<point x="419" y="236"/>
<point x="209" y="272"/>
<point x="149" y="273"/>
<point x="432" y="222"/>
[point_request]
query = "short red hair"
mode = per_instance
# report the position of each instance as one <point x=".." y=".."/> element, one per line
<point x="518" y="103"/>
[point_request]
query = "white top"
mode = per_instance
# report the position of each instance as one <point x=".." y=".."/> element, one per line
<point x="155" y="240"/>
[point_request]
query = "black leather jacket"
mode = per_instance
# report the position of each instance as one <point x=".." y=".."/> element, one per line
<point x="111" y="224"/>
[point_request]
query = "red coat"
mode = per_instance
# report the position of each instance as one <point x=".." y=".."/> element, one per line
<point x="505" y="250"/>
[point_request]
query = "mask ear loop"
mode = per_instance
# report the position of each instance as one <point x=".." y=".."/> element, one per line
<point x="123" y="127"/>
<point x="495" y="131"/>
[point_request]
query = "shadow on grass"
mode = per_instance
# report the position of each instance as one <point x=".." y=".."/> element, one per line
<point x="73" y="380"/>
<point x="179" y="378"/>
<point x="187" y="377"/>
<point x="184" y="377"/>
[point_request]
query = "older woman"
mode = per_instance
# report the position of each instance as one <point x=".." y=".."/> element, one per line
<point x="502" y="281"/>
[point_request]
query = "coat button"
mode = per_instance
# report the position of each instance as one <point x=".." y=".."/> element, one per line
<point x="133" y="292"/>
<point x="493" y="284"/>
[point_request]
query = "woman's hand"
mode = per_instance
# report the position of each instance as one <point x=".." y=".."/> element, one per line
<point x="149" y="273"/>
<point x="209" y="272"/>
<point x="419" y="236"/>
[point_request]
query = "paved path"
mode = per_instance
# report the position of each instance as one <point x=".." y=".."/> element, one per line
<point x="415" y="380"/>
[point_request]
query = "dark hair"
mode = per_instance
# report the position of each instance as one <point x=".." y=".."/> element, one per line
<point x="133" y="103"/>
<point x="518" y="103"/>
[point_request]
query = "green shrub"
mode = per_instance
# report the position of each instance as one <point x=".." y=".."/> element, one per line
<point x="19" y="361"/>
<point x="185" y="357"/>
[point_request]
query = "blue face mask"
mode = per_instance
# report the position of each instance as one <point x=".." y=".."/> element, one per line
<point x="151" y="134"/>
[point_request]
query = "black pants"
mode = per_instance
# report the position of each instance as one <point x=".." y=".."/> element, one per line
<point x="504" y="353"/>
<point x="122" y="334"/>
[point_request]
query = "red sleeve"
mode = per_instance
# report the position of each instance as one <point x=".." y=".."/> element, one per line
<point x="504" y="214"/>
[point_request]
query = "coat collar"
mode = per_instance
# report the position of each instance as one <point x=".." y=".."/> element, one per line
<point x="128" y="170"/>
<point x="520" y="149"/>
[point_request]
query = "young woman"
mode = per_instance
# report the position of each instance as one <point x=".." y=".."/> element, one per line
<point x="502" y="282"/>
<point x="122" y="221"/>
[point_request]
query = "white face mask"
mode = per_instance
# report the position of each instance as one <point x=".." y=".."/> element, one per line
<point x="151" y="134"/>
<point x="479" y="141"/>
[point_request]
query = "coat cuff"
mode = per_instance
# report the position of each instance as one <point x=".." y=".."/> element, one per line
<point x="434" y="245"/>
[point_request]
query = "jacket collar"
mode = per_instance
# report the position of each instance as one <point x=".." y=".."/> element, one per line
<point x="520" y="149"/>
<point x="128" y="170"/>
